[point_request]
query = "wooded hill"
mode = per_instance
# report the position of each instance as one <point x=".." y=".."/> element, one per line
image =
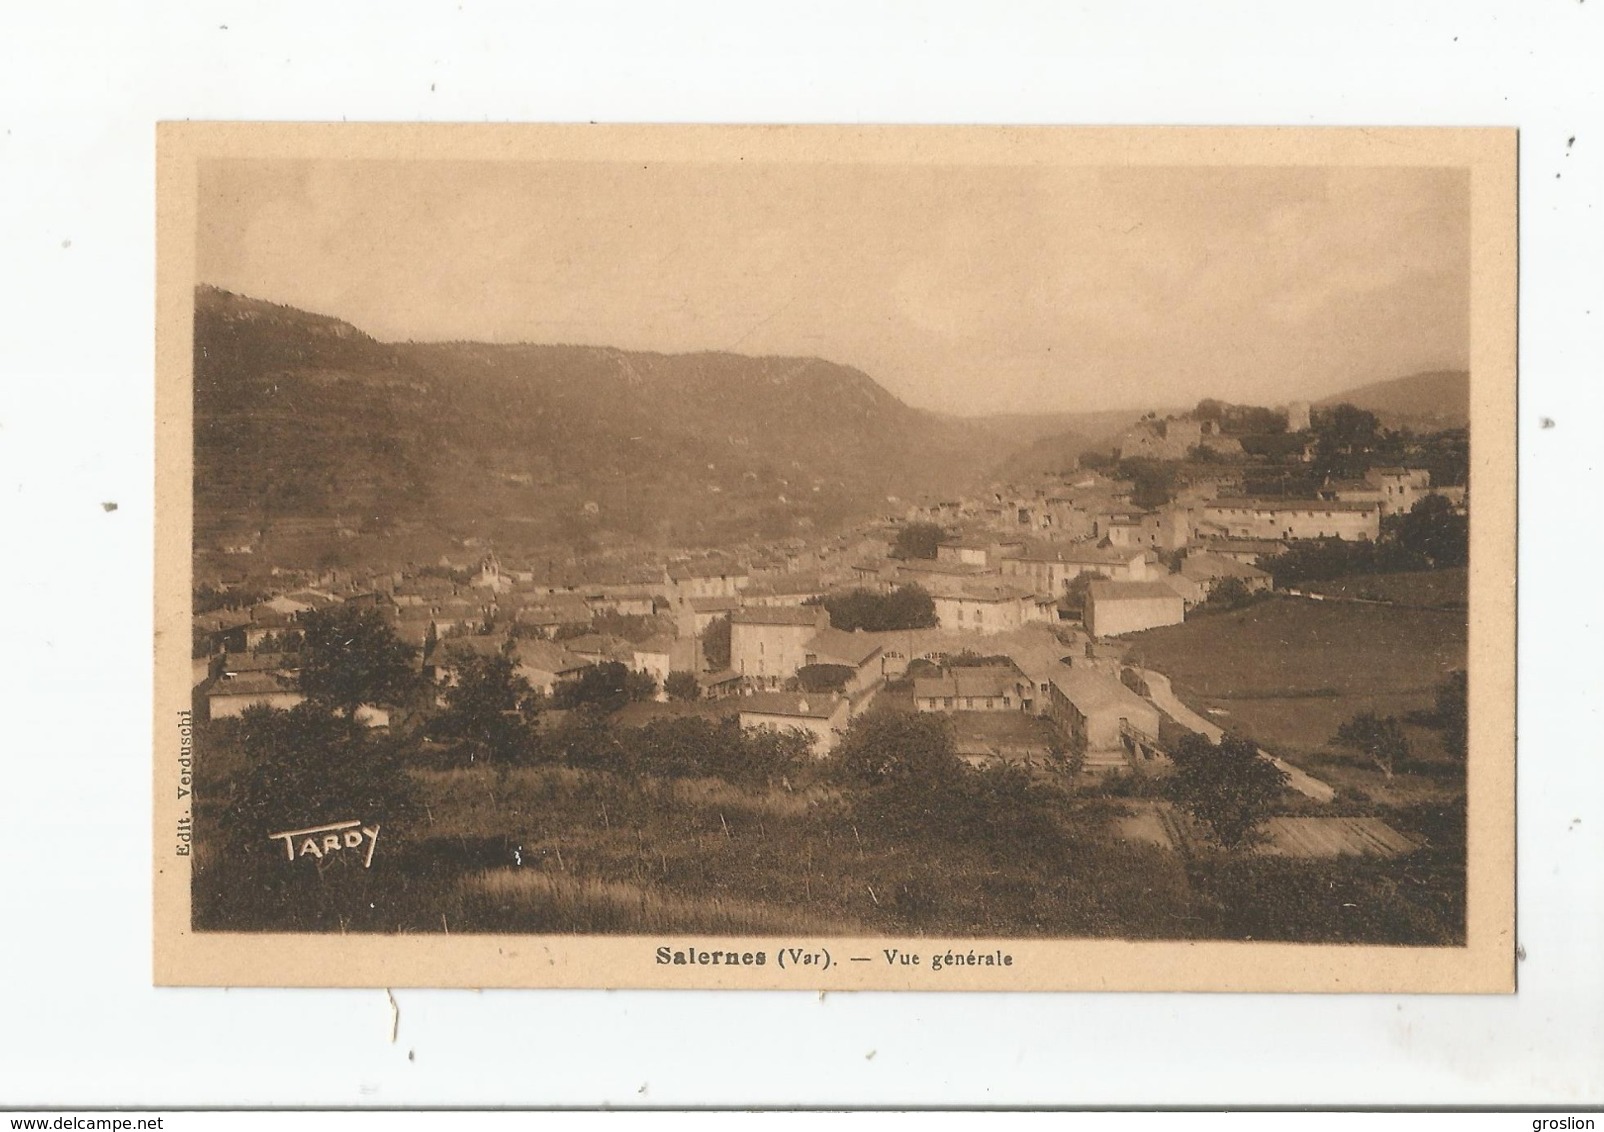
<point x="300" y="415"/>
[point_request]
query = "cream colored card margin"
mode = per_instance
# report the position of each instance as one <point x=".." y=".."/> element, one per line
<point x="1486" y="964"/>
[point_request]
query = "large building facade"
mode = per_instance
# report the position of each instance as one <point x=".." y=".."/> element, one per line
<point x="1247" y="517"/>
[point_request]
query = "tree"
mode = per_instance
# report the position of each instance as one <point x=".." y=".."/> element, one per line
<point x="824" y="677"/>
<point x="489" y="710"/>
<point x="287" y="641"/>
<point x="604" y="686"/>
<point x="1154" y="481"/>
<point x="1453" y="713"/>
<point x="1225" y="786"/>
<point x="919" y="540"/>
<point x="1343" y="435"/>
<point x="716" y="642"/>
<point x="640" y="685"/>
<point x="683" y="686"/>
<point x="1075" y="589"/>
<point x="884" y="748"/>
<point x="691" y="746"/>
<point x="351" y="657"/>
<point x="906" y="607"/>
<point x="1434" y="532"/>
<point x="1381" y="740"/>
<point x="307" y="767"/>
<point x="1230" y="593"/>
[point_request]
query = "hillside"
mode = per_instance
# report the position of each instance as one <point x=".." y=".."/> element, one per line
<point x="1436" y="400"/>
<point x="320" y="435"/>
<point x="1058" y="447"/>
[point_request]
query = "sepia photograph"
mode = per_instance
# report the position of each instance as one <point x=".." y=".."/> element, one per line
<point x="903" y="558"/>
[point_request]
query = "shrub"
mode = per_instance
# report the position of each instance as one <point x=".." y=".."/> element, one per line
<point x="1227" y="787"/>
<point x="682" y="686"/>
<point x="1381" y="740"/>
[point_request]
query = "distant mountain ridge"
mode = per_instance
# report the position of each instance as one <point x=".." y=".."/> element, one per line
<point x="303" y="415"/>
<point x="1437" y="399"/>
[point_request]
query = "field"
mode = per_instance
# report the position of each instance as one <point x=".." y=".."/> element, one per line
<point x="1288" y="672"/>
<point x="551" y="849"/>
<point x="1431" y="589"/>
<point x="555" y="849"/>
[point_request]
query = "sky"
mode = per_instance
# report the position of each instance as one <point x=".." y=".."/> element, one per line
<point x="965" y="289"/>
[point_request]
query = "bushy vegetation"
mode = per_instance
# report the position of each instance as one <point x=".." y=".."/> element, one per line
<point x="824" y="677"/>
<point x="906" y="607"/>
<point x="351" y="657"/>
<point x="1232" y="593"/>
<point x="1154" y="480"/>
<point x="682" y="686"/>
<point x="1226" y="786"/>
<point x="1380" y="739"/>
<point x="716" y="642"/>
<point x="1431" y="536"/>
<point x="489" y="712"/>
<point x="1416" y="902"/>
<point x="1452" y="713"/>
<point x="918" y="540"/>
<point x="606" y="687"/>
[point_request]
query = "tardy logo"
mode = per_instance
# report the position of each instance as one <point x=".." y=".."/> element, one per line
<point x="320" y="840"/>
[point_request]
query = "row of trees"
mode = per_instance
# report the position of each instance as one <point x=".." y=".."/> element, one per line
<point x="1431" y="536"/>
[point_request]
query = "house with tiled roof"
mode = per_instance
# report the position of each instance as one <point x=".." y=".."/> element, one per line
<point x="545" y="664"/>
<point x="1050" y="567"/>
<point x="1209" y="570"/>
<point x="601" y="648"/>
<point x="991" y="605"/>
<point x="858" y="651"/>
<point x="993" y="687"/>
<point x="700" y="612"/>
<point x="1106" y="721"/>
<point x="227" y="695"/>
<point x="823" y="717"/>
<point x="1258" y="517"/>
<point x="443" y="661"/>
<point x="769" y="643"/>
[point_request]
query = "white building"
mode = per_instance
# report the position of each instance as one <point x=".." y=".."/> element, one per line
<point x="1116" y="608"/>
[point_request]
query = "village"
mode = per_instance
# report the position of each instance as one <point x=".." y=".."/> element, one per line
<point x="1009" y="611"/>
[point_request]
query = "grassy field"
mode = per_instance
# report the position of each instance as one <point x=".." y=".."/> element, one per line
<point x="1287" y="672"/>
<point x="554" y="849"/>
<point x="1434" y="589"/>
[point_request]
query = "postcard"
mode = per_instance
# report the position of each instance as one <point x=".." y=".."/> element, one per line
<point x="831" y="558"/>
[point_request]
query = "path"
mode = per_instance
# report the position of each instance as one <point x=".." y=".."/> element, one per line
<point x="1164" y="698"/>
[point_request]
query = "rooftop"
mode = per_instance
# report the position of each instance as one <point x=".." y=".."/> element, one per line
<point x="1251" y="503"/>
<point x="796" y="705"/>
<point x="781" y="615"/>
<point x="835" y="646"/>
<point x="988" y="681"/>
<point x="1129" y="591"/>
<point x="261" y="662"/>
<point x="251" y="684"/>
<point x="1079" y="553"/>
<point x="1203" y="565"/>
<point x="548" y="657"/>
<point x="1090" y="690"/>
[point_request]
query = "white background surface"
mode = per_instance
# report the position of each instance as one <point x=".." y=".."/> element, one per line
<point x="81" y="86"/>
